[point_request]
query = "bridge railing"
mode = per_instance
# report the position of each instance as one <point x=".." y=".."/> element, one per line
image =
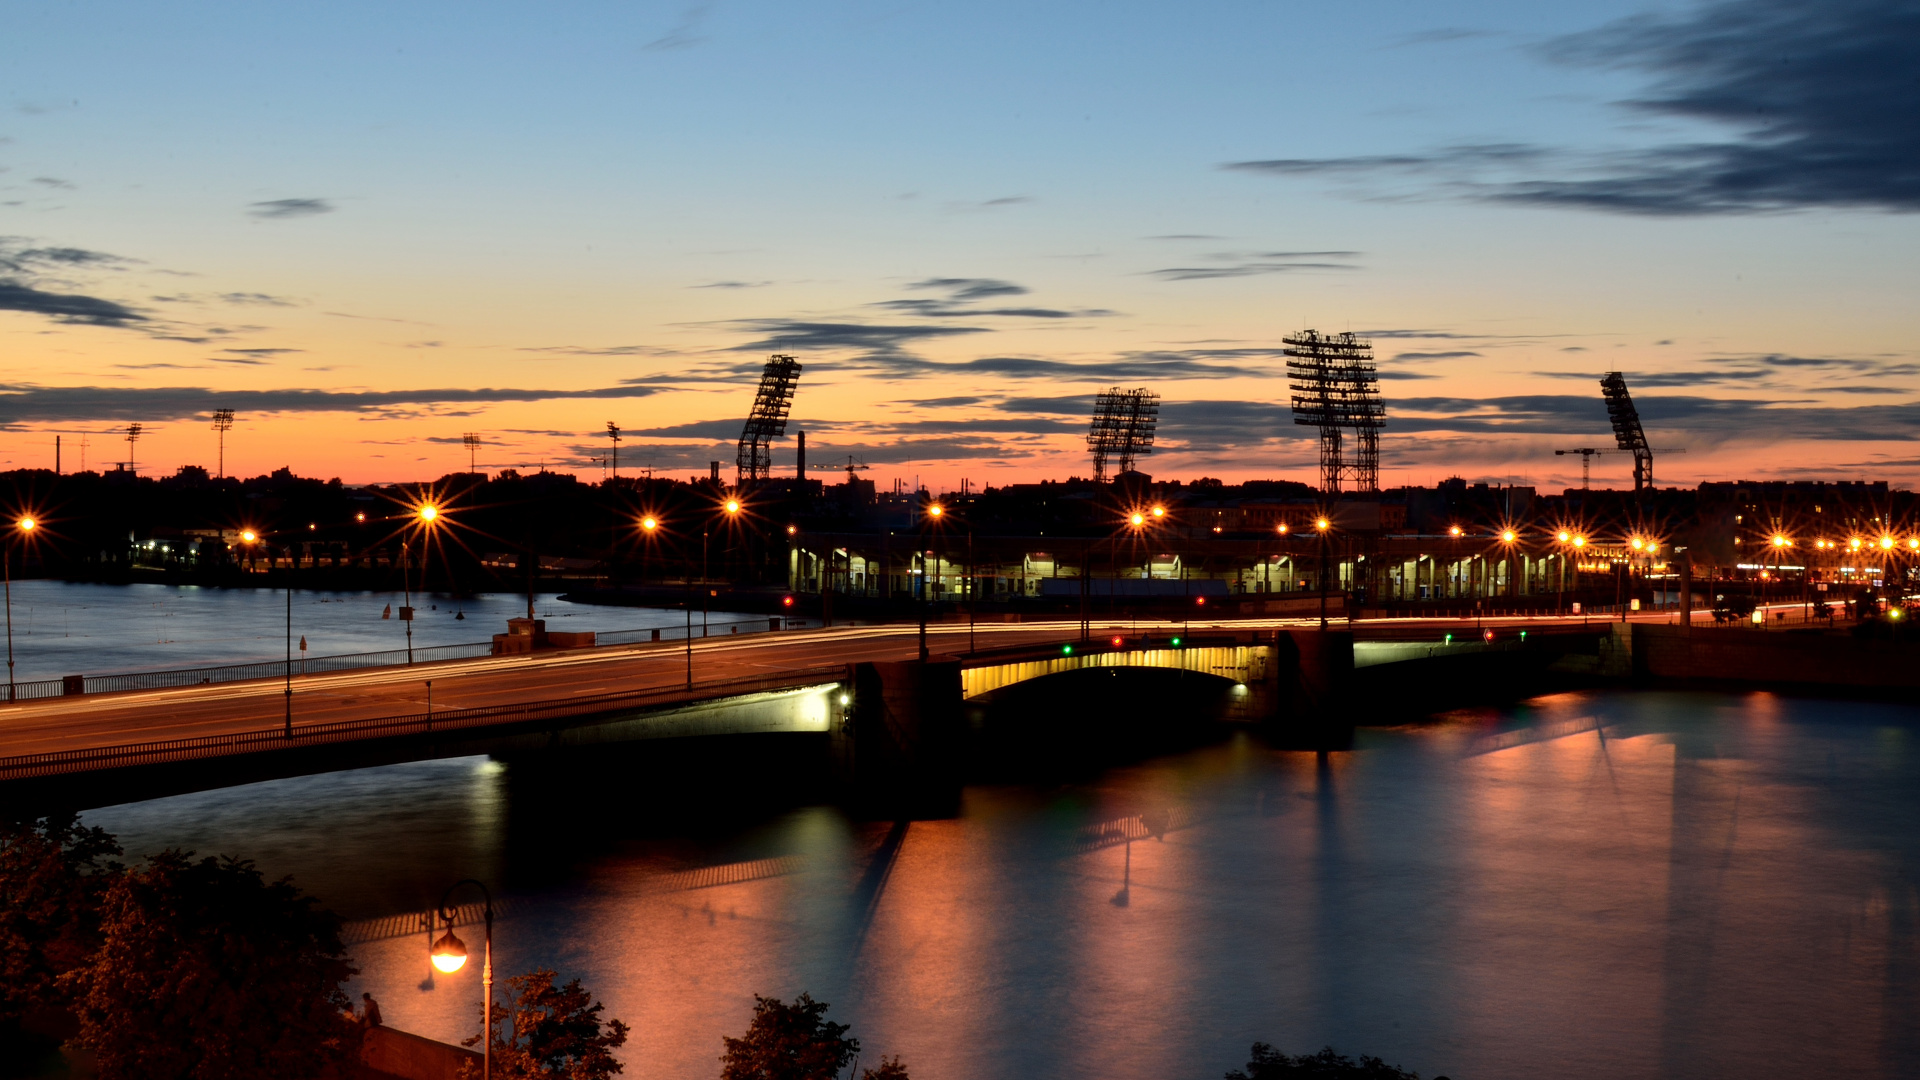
<point x="38" y="689"/>
<point x="124" y="755"/>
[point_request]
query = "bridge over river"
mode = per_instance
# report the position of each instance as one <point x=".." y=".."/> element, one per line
<point x="895" y="721"/>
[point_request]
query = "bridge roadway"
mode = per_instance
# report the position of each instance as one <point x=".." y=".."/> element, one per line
<point x="143" y="716"/>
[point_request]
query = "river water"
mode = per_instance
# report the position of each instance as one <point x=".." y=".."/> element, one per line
<point x="65" y="628"/>
<point x="1603" y="884"/>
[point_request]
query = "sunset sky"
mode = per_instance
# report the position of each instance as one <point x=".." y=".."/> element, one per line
<point x="371" y="228"/>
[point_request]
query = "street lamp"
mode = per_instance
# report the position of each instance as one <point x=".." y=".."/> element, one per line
<point x="649" y="525"/>
<point x="929" y="520"/>
<point x="449" y="954"/>
<point x="1321" y="525"/>
<point x="1508" y="538"/>
<point x="23" y="528"/>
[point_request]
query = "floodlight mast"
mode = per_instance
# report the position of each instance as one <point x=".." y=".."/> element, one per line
<point x="768" y="420"/>
<point x="223" y="423"/>
<point x="1122" y="429"/>
<point x="1627" y="433"/>
<point x="1336" y="387"/>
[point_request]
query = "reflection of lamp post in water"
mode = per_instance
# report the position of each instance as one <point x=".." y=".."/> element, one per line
<point x="450" y="955"/>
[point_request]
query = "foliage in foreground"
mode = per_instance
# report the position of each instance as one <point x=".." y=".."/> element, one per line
<point x="205" y="970"/>
<point x="797" y="1042"/>
<point x="1269" y="1064"/>
<point x="548" y="1032"/>
<point x="53" y="873"/>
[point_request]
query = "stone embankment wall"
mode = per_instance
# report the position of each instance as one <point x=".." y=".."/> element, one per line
<point x="1774" y="658"/>
<point x="391" y="1054"/>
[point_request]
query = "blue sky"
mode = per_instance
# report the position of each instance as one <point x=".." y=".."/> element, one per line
<point x="370" y="230"/>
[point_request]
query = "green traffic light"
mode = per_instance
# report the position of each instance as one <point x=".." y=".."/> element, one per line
<point x="1176" y="641"/>
<point x="1066" y="650"/>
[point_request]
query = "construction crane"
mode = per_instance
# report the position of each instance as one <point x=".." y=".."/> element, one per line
<point x="1587" y="454"/>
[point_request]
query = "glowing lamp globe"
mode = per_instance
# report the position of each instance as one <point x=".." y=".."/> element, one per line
<point x="449" y="953"/>
<point x="27" y="524"/>
<point x="1508" y="536"/>
<point x="649" y="523"/>
<point x="936" y="510"/>
<point x="248" y="536"/>
<point x="1138" y="520"/>
<point x="1159" y="511"/>
<point x="429" y="512"/>
<point x="733" y="506"/>
<point x="1453" y="530"/>
<point x="1322" y="524"/>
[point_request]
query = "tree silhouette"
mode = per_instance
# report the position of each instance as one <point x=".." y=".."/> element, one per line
<point x="1269" y="1064"/>
<point x="52" y="875"/>
<point x="207" y="971"/>
<point x="796" y="1042"/>
<point x="548" y="1032"/>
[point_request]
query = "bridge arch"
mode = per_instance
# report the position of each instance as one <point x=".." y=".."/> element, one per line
<point x="1241" y="664"/>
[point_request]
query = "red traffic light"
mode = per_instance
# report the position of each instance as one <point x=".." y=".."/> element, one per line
<point x="786" y="601"/>
<point x="1201" y="600"/>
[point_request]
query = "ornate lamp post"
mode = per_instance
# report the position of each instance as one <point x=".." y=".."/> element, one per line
<point x="450" y="955"/>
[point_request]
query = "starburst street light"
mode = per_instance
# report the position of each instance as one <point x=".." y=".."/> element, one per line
<point x="1508" y="536"/>
<point x="23" y="529"/>
<point x="1137" y="519"/>
<point x="649" y="523"/>
<point x="428" y="513"/>
<point x="1322" y="524"/>
<point x="1782" y="541"/>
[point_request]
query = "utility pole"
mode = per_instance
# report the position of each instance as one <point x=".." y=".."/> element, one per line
<point x="133" y="436"/>
<point x="223" y="423"/>
<point x="613" y="433"/>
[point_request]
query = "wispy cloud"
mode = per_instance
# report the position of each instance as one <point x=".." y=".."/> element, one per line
<point x="290" y="208"/>
<point x="27" y="403"/>
<point x="1250" y="264"/>
<point x="1819" y="100"/>
<point x="67" y="307"/>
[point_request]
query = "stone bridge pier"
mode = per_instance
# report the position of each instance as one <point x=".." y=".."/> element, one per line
<point x="901" y="744"/>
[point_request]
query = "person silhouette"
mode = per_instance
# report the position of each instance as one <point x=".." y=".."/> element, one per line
<point x="369" y="1010"/>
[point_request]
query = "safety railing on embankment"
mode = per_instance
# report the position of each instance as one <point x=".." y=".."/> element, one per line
<point x="449" y="720"/>
<point x="71" y="685"/>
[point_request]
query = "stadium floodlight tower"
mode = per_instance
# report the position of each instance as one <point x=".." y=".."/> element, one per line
<point x="768" y="420"/>
<point x="1626" y="428"/>
<point x="1336" y="388"/>
<point x="1123" y="423"/>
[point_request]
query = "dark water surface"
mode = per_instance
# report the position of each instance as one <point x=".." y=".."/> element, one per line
<point x="1588" y="885"/>
<point x="71" y="628"/>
